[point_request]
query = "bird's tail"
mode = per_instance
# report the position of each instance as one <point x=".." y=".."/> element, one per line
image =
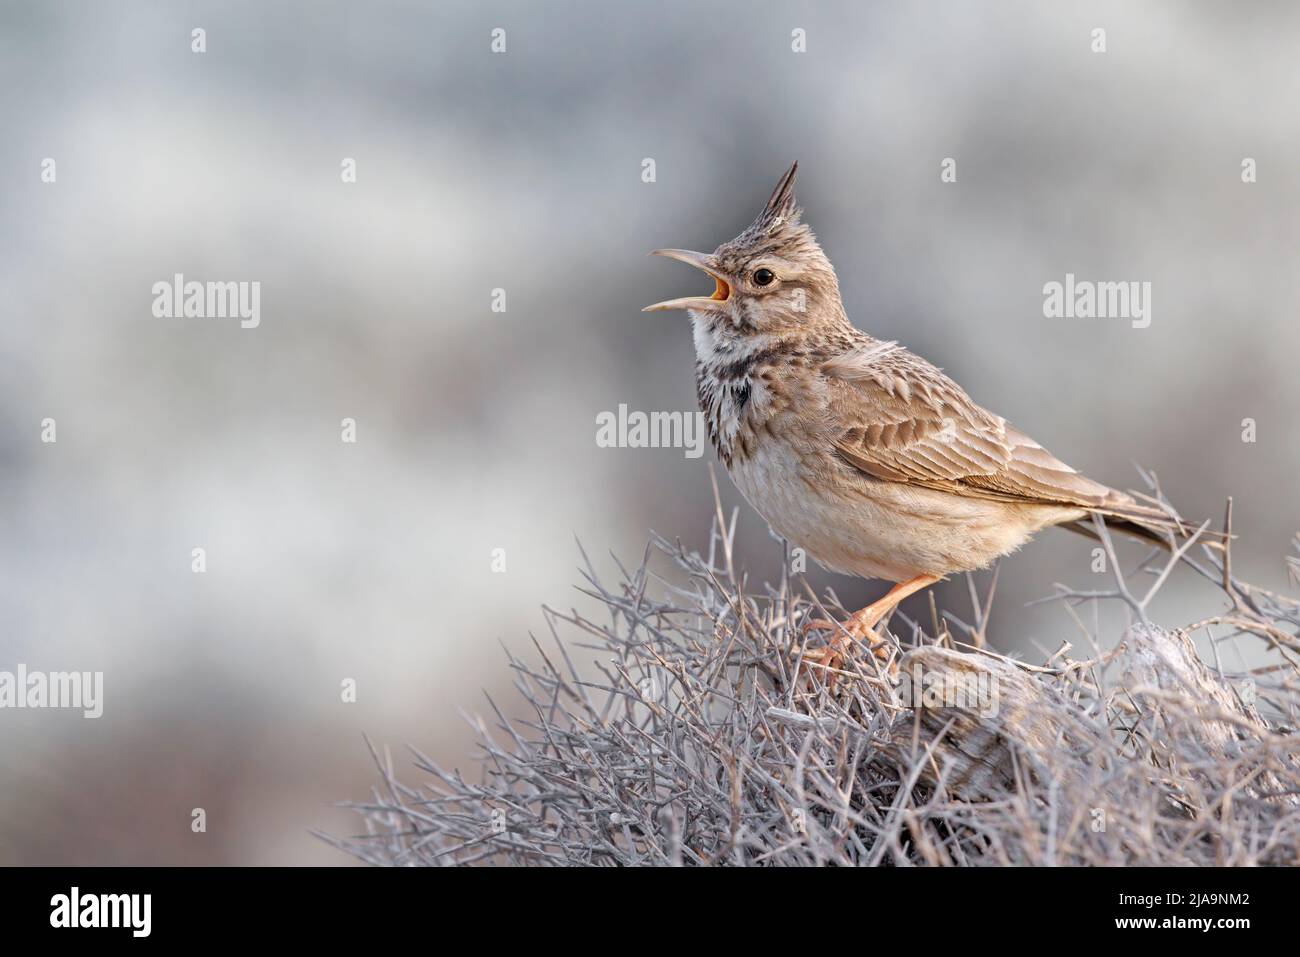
<point x="1158" y="525"/>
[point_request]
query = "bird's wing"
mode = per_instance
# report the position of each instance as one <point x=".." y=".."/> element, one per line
<point x="898" y="418"/>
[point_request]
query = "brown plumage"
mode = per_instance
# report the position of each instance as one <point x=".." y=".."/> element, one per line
<point x="905" y="421"/>
<point x="856" y="449"/>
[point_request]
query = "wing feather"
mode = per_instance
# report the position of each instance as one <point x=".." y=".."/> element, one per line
<point x="900" y="419"/>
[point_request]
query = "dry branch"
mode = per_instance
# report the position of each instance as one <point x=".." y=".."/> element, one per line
<point x="698" y="736"/>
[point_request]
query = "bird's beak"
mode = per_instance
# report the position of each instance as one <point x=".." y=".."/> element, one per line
<point x="706" y="262"/>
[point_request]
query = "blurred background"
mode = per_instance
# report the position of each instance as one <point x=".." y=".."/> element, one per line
<point x="476" y="430"/>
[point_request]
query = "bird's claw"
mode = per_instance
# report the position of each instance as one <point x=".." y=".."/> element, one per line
<point x="832" y="658"/>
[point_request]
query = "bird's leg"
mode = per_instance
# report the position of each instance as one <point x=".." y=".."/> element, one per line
<point x="862" y="624"/>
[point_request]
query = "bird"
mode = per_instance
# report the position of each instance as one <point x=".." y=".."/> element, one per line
<point x="856" y="449"/>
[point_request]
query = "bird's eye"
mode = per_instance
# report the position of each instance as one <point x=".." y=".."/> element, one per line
<point x="764" y="277"/>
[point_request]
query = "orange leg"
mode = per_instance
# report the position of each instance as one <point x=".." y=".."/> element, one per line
<point x="862" y="624"/>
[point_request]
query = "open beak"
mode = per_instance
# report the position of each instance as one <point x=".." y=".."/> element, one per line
<point x="704" y="261"/>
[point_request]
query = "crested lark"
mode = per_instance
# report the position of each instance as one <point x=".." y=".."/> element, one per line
<point x="858" y="451"/>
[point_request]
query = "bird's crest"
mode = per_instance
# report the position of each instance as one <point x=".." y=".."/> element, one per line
<point x="781" y="209"/>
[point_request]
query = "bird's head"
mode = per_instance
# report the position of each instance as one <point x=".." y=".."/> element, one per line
<point x="772" y="278"/>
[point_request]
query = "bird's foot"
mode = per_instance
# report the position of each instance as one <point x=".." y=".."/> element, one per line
<point x="857" y="628"/>
<point x="861" y="626"/>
